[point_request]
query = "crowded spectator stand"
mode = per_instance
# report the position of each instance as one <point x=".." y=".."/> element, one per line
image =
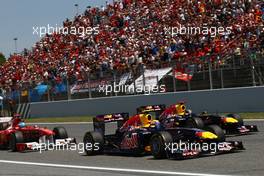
<point x="131" y="36"/>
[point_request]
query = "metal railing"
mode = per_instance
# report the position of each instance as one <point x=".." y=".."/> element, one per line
<point x="238" y="73"/>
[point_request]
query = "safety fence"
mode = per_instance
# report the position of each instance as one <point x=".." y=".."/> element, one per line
<point x="238" y="73"/>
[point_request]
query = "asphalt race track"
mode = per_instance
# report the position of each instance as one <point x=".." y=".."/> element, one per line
<point x="64" y="163"/>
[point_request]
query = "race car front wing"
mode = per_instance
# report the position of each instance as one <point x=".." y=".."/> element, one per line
<point x="222" y="147"/>
<point x="49" y="145"/>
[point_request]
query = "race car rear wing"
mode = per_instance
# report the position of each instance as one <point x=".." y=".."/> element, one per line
<point x="151" y="108"/>
<point x="100" y="121"/>
<point x="156" y="109"/>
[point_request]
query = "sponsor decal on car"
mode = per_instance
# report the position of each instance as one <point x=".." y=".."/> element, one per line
<point x="130" y="141"/>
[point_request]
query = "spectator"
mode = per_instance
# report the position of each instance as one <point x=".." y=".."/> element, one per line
<point x="132" y="32"/>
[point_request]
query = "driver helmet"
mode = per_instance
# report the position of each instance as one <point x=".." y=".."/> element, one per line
<point x="180" y="109"/>
<point x="204" y="113"/>
<point x="22" y="124"/>
<point x="146" y="120"/>
<point x="16" y="115"/>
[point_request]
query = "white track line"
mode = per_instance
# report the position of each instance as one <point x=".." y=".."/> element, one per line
<point x="106" y="169"/>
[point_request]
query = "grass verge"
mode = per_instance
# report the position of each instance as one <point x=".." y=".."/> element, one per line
<point x="60" y="119"/>
<point x="251" y="115"/>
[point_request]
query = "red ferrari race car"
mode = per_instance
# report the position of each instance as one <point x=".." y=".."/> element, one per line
<point x="15" y="135"/>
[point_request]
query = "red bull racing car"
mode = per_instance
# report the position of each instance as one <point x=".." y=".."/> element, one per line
<point x="178" y="116"/>
<point x="141" y="135"/>
<point x="15" y="135"/>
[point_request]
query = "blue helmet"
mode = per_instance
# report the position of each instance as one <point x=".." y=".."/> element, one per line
<point x="22" y="124"/>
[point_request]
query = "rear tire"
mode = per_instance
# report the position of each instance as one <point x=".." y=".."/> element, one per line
<point x="3" y="126"/>
<point x="60" y="133"/>
<point x="237" y="117"/>
<point x="157" y="143"/>
<point x="93" y="142"/>
<point x="217" y="130"/>
<point x="15" y="138"/>
<point x="195" y="122"/>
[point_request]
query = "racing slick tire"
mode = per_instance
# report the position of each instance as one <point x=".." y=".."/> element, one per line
<point x="60" y="133"/>
<point x="15" y="138"/>
<point x="237" y="117"/>
<point x="158" y="144"/>
<point x="195" y="122"/>
<point x="96" y="142"/>
<point x="3" y="126"/>
<point x="217" y="130"/>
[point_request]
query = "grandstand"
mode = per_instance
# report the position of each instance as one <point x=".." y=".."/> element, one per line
<point x="132" y="38"/>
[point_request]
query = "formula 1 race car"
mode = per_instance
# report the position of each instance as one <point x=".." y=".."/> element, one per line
<point x="16" y="136"/>
<point x="178" y="116"/>
<point x="149" y="137"/>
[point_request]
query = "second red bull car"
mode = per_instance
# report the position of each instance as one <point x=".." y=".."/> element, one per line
<point x="178" y="116"/>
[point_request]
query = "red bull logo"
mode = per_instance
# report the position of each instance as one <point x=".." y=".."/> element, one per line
<point x="130" y="142"/>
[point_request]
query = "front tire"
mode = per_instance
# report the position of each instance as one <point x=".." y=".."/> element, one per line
<point x="217" y="130"/>
<point x="158" y="144"/>
<point x="195" y="122"/>
<point x="15" y="138"/>
<point x="60" y="133"/>
<point x="93" y="142"/>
